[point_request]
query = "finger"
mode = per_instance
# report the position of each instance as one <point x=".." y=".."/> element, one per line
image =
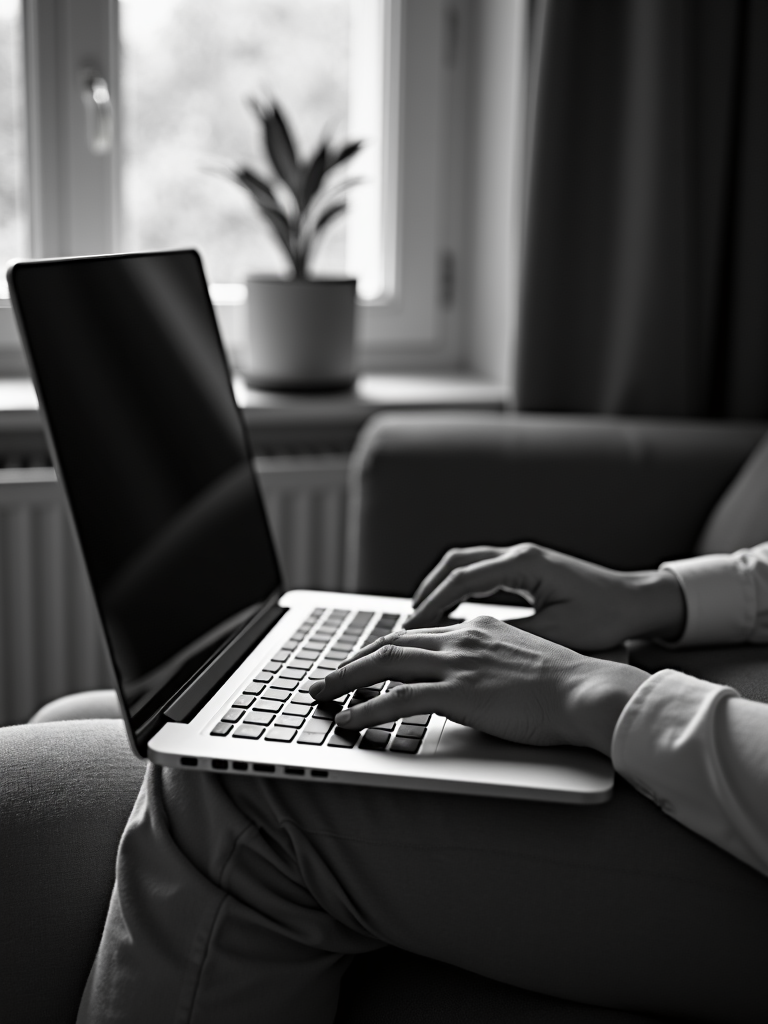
<point x="390" y="662"/>
<point x="400" y="702"/>
<point x="427" y="638"/>
<point x="451" y="560"/>
<point x="477" y="580"/>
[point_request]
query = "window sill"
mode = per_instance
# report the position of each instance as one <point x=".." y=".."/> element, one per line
<point x="279" y="423"/>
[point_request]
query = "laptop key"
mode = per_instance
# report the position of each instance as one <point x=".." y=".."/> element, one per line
<point x="222" y="729"/>
<point x="374" y="739"/>
<point x="387" y="726"/>
<point x="366" y="693"/>
<point x="263" y="677"/>
<point x="259" y="718"/>
<point x="318" y="674"/>
<point x="412" y="731"/>
<point x="276" y="693"/>
<point x="293" y="673"/>
<point x="233" y="715"/>
<point x="254" y="689"/>
<point x="280" y="734"/>
<point x="343" y="738"/>
<point x="249" y="732"/>
<point x="403" y="745"/>
<point x="243" y="702"/>
<point x="322" y="725"/>
<point x="272" y="666"/>
<point x="303" y="663"/>
<point x="297" y="709"/>
<point x="417" y="720"/>
<point x="290" y="721"/>
<point x="315" y="738"/>
<point x="281" y="683"/>
<point x="281" y="656"/>
<point x="268" y="705"/>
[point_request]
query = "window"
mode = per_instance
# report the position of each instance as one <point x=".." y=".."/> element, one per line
<point x="14" y="227"/>
<point x="415" y="69"/>
<point x="186" y="120"/>
<point x="13" y="217"/>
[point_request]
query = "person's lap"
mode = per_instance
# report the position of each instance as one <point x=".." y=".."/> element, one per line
<point x="241" y="899"/>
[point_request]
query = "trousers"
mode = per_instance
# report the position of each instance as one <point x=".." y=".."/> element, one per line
<point x="242" y="900"/>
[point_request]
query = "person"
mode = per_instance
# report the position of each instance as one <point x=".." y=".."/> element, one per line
<point x="240" y="899"/>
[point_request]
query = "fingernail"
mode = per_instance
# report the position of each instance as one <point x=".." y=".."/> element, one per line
<point x="343" y="717"/>
<point x="317" y="688"/>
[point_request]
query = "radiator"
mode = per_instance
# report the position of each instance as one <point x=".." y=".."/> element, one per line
<point x="50" y="639"/>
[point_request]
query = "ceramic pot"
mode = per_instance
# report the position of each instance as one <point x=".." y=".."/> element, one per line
<point x="300" y="334"/>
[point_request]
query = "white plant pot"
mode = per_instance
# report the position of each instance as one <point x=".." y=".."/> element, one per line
<point x="300" y="334"/>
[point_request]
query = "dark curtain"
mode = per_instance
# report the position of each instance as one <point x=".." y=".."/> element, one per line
<point x="645" y="287"/>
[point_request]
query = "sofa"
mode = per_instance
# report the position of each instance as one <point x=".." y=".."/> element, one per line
<point x="627" y="493"/>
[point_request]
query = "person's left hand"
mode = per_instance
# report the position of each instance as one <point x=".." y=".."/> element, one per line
<point x="489" y="675"/>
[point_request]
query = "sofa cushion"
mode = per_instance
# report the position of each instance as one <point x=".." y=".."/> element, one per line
<point x="66" y="790"/>
<point x="740" y="517"/>
<point x="81" y="705"/>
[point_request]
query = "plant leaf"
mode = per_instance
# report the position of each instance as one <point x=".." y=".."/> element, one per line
<point x="314" y="176"/>
<point x="281" y="150"/>
<point x="258" y="188"/>
<point x="282" y="229"/>
<point x="345" y="153"/>
<point x="328" y="215"/>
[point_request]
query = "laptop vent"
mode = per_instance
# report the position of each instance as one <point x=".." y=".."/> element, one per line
<point x="50" y="639"/>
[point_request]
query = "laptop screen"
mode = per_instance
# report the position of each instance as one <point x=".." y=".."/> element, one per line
<point x="153" y="454"/>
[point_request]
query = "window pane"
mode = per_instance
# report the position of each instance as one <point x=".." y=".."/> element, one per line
<point x="188" y="68"/>
<point x="13" y="213"/>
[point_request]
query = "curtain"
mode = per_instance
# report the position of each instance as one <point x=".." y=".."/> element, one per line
<point x="645" y="281"/>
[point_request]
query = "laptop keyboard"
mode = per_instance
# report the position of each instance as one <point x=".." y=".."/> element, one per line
<point x="277" y="706"/>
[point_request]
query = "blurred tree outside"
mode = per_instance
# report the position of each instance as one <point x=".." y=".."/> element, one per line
<point x="187" y="68"/>
<point x="13" y="215"/>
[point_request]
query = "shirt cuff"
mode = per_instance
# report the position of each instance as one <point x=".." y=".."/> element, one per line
<point x="669" y="744"/>
<point x="720" y="599"/>
<point x="663" y="736"/>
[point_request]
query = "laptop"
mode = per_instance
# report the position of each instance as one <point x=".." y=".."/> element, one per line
<point x="213" y="658"/>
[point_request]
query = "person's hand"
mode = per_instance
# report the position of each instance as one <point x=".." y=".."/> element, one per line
<point x="489" y="675"/>
<point x="577" y="603"/>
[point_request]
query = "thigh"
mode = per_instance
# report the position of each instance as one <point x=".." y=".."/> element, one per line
<point x="615" y="905"/>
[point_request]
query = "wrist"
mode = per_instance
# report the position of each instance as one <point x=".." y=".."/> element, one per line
<point x="596" y="700"/>
<point x="656" y="605"/>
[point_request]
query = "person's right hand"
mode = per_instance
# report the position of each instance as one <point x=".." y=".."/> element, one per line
<point x="578" y="604"/>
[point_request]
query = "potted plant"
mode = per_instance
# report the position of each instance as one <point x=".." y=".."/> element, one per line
<point x="300" y="331"/>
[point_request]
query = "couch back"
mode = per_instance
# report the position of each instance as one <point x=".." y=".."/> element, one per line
<point x="625" y="492"/>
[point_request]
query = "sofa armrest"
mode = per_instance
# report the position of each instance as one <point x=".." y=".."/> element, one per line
<point x="66" y="790"/>
<point x="628" y="493"/>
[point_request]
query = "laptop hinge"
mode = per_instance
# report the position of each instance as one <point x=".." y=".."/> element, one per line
<point x="187" y="704"/>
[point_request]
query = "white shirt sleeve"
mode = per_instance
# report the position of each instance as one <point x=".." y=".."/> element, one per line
<point x="701" y="753"/>
<point x="726" y="597"/>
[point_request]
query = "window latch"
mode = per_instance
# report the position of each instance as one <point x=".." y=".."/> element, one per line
<point x="99" y="113"/>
